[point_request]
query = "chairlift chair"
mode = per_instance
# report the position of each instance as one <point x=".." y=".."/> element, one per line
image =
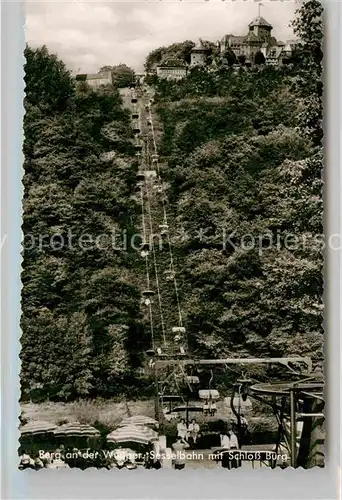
<point x="138" y="147"/>
<point x="150" y="174"/>
<point x="148" y="293"/>
<point x="193" y="379"/>
<point x="158" y="188"/>
<point x="136" y="129"/>
<point x="150" y="352"/>
<point x="169" y="274"/>
<point x="145" y="246"/>
<point x="140" y="176"/>
<point x="134" y="100"/>
<point x="135" y="115"/>
<point x="178" y="329"/>
<point x="164" y="229"/>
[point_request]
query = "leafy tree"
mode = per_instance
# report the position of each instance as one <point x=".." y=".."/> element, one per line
<point x="259" y="58"/>
<point x="180" y="51"/>
<point x="242" y="59"/>
<point x="230" y="57"/>
<point x="122" y="75"/>
<point x="308" y="26"/>
<point x="69" y="198"/>
<point x="55" y="89"/>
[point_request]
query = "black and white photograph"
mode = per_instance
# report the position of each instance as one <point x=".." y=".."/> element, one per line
<point x="172" y="236"/>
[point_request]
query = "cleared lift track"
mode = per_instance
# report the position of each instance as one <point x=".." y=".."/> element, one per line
<point x="168" y="352"/>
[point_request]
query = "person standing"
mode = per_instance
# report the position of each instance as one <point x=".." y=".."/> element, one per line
<point x="234" y="447"/>
<point x="243" y="421"/>
<point x="225" y="441"/>
<point x="182" y="430"/>
<point x="225" y="445"/>
<point x="178" y="447"/>
<point x="194" y="429"/>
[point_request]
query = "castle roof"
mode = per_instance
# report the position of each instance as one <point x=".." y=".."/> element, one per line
<point x="236" y="40"/>
<point x="199" y="47"/>
<point x="174" y="63"/>
<point x="260" y="21"/>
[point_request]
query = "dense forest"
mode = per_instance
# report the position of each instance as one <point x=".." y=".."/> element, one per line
<point x="80" y="307"/>
<point x="242" y="154"/>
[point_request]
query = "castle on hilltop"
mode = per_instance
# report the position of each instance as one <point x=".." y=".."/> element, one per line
<point x="259" y="40"/>
<point x="257" y="48"/>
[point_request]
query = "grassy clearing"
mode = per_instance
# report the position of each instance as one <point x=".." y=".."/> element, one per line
<point x="105" y="412"/>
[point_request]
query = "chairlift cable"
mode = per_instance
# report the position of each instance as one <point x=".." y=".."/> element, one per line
<point x="147" y="266"/>
<point x="155" y="265"/>
<point x="172" y="267"/>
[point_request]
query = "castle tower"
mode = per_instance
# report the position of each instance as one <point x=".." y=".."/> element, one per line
<point x="261" y="28"/>
<point x="199" y="54"/>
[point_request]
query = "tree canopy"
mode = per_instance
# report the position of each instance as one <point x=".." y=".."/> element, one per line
<point x="241" y="157"/>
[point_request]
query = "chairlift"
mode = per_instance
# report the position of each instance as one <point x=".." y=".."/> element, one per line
<point x="140" y="176"/>
<point x="134" y="100"/>
<point x="164" y="229"/>
<point x="150" y="174"/>
<point x="148" y="293"/>
<point x="145" y="246"/>
<point x="138" y="147"/>
<point x="158" y="188"/>
<point x="136" y="128"/>
<point x="193" y="379"/>
<point x="169" y="274"/>
<point x="135" y="115"/>
<point x="209" y="394"/>
<point x="150" y="352"/>
<point x="178" y="329"/>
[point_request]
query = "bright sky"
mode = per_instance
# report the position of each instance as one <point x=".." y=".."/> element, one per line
<point x="89" y="34"/>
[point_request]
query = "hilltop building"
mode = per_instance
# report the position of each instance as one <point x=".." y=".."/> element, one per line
<point x="172" y="69"/>
<point x="199" y="55"/>
<point x="258" y="39"/>
<point x="97" y="79"/>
